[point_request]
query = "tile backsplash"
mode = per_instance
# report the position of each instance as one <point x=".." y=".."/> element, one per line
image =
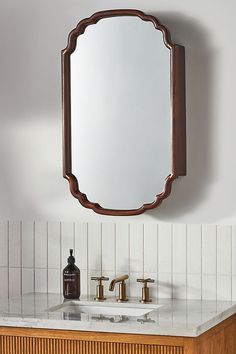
<point x="186" y="261"/>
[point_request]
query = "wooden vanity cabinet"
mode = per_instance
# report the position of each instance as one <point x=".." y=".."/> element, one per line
<point x="219" y="340"/>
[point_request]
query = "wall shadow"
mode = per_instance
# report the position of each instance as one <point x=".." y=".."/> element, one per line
<point x="190" y="191"/>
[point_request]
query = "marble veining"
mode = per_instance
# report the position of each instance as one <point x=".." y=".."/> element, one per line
<point x="188" y="318"/>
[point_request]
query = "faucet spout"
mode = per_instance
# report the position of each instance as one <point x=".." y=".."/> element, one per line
<point x="122" y="287"/>
<point x="117" y="280"/>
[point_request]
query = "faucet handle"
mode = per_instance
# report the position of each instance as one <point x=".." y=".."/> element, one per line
<point x="100" y="288"/>
<point x="100" y="279"/>
<point x="145" y="280"/>
<point x="145" y="290"/>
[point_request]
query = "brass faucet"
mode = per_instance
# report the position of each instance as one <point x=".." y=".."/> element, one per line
<point x="122" y="287"/>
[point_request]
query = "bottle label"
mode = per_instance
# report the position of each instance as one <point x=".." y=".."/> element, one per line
<point x="69" y="278"/>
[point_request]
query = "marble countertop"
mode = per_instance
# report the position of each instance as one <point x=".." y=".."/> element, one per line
<point x="188" y="318"/>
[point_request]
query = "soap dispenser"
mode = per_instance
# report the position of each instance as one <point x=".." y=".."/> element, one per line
<point x="71" y="279"/>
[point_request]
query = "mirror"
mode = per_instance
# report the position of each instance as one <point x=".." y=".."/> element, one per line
<point x="124" y="112"/>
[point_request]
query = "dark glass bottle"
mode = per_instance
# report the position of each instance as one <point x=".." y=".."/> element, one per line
<point x="71" y="279"/>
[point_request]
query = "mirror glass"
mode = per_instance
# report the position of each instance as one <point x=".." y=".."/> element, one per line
<point x="121" y="143"/>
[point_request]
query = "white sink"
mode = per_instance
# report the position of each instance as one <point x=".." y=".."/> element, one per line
<point x="105" y="308"/>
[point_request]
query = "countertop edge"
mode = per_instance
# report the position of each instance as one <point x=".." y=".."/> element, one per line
<point x="95" y="327"/>
<point x="215" y="320"/>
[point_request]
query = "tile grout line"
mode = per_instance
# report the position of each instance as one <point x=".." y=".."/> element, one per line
<point x="8" y="258"/>
<point x="129" y="256"/>
<point x="172" y="263"/>
<point x="201" y="267"/>
<point x="114" y="225"/>
<point x="87" y="258"/>
<point x="47" y="253"/>
<point x="115" y="257"/>
<point x="186" y="268"/>
<point x="171" y="248"/>
<point x="47" y="259"/>
<point x="31" y="268"/>
<point x="34" y="263"/>
<point x="21" y="250"/>
<point x="216" y="261"/>
<point x="143" y="228"/>
<point x="60" y="233"/>
<point x="157" y="269"/>
<point x="231" y="261"/>
<point x="186" y="259"/>
<point x="74" y="239"/>
<point x="101" y="240"/>
<point x="157" y="266"/>
<point x="115" y="234"/>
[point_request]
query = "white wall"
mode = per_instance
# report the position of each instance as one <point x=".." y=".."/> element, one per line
<point x="32" y="33"/>
<point x="190" y="261"/>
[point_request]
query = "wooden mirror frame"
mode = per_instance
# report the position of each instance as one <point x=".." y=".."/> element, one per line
<point x="177" y="85"/>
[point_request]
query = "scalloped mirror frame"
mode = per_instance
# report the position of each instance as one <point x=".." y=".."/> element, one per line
<point x="178" y="108"/>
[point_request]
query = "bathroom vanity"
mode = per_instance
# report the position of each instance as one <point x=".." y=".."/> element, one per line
<point x="43" y="324"/>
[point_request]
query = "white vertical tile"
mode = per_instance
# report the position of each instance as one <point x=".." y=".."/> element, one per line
<point x="3" y="244"/>
<point x="108" y="248"/>
<point x="194" y="249"/>
<point x="54" y="246"/>
<point x="81" y="244"/>
<point x="164" y="288"/>
<point x="122" y="248"/>
<point x="4" y="282"/>
<point x="209" y="249"/>
<point x="234" y="250"/>
<point x="224" y="291"/>
<point x="15" y="244"/>
<point x="14" y="282"/>
<point x="224" y="265"/>
<point x="94" y="246"/>
<point x="179" y="248"/>
<point x="15" y="307"/>
<point x="234" y="288"/>
<point x="67" y="241"/>
<point x="54" y="280"/>
<point x="150" y="249"/>
<point x="27" y="280"/>
<point x="164" y="256"/>
<point x="135" y="288"/>
<point x="27" y="244"/>
<point x="41" y="280"/>
<point x="84" y="282"/>
<point x="41" y="246"/>
<point x="208" y="287"/>
<point x="136" y="248"/>
<point x="194" y="286"/>
<point x="179" y="286"/>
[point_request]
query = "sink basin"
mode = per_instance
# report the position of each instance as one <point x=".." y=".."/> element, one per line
<point x="104" y="308"/>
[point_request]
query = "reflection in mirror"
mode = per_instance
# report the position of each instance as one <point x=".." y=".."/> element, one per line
<point x="120" y="116"/>
<point x="121" y="119"/>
